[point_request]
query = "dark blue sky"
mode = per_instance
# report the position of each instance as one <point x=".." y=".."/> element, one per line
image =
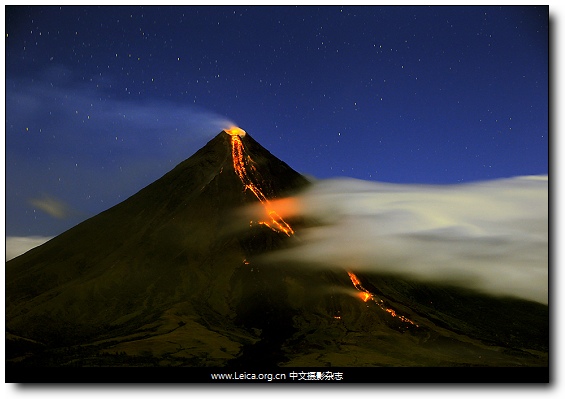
<point x="101" y="101"/>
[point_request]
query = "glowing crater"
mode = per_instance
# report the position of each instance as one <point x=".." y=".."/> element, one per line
<point x="235" y="131"/>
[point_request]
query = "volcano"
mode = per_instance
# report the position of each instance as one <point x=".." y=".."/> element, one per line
<point x="173" y="276"/>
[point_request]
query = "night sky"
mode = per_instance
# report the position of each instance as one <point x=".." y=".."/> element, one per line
<point x="102" y="101"/>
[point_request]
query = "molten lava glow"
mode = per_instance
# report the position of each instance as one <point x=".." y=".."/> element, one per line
<point x="365" y="295"/>
<point x="235" y="131"/>
<point x="274" y="221"/>
<point x="355" y="281"/>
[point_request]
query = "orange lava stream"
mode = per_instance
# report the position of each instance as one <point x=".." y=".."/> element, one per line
<point x="365" y="295"/>
<point x="276" y="223"/>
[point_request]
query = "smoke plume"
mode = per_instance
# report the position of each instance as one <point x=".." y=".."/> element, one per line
<point x="489" y="236"/>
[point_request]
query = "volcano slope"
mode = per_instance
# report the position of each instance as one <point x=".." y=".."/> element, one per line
<point x="173" y="276"/>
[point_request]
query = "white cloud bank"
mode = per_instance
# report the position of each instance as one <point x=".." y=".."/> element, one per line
<point x="15" y="246"/>
<point x="490" y="236"/>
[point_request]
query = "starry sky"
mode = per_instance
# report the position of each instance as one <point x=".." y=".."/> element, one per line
<point x="102" y="101"/>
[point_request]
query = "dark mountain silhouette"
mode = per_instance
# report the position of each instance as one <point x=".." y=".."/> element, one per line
<point x="172" y="277"/>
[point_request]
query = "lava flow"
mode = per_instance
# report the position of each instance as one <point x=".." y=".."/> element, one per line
<point x="365" y="295"/>
<point x="276" y="222"/>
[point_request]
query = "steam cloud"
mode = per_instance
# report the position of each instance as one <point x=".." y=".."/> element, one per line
<point x="490" y="236"/>
<point x="68" y="136"/>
